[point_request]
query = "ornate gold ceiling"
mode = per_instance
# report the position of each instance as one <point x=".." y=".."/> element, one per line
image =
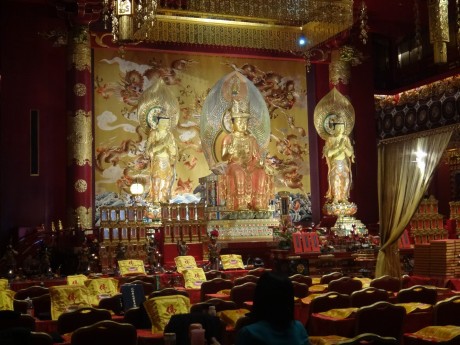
<point x="259" y="24"/>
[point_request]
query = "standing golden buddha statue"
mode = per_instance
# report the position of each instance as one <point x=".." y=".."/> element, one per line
<point x="334" y="119"/>
<point x="158" y="112"/>
<point x="339" y="155"/>
<point x="162" y="151"/>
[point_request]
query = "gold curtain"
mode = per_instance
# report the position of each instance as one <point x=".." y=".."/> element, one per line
<point x="403" y="180"/>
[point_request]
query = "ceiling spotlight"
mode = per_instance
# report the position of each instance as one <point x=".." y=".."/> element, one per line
<point x="302" y="40"/>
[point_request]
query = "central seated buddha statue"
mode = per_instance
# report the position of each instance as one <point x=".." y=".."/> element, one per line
<point x="245" y="184"/>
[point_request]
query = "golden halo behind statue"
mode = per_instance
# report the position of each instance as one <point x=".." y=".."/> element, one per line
<point x="215" y="116"/>
<point x="333" y="109"/>
<point x="157" y="101"/>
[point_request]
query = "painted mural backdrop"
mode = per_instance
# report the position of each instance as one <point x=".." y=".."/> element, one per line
<point x="119" y="80"/>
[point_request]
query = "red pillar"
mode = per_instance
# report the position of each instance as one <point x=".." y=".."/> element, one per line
<point x="79" y="127"/>
<point x="79" y="110"/>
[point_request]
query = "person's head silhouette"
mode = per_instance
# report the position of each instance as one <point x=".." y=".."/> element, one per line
<point x="274" y="300"/>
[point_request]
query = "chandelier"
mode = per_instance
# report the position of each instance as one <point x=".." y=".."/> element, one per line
<point x="258" y="24"/>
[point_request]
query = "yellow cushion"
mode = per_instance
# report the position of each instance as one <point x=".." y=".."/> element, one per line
<point x="230" y="317"/>
<point x="101" y="286"/>
<point x="64" y="297"/>
<point x="232" y="261"/>
<point x="131" y="267"/>
<point x="326" y="339"/>
<point x="6" y="299"/>
<point x="160" y="309"/>
<point x="413" y="306"/>
<point x="315" y="280"/>
<point x="77" y="279"/>
<point x="185" y="262"/>
<point x="365" y="281"/>
<point x="439" y="333"/>
<point x="339" y="313"/>
<point x="318" y="288"/>
<point x="3" y="284"/>
<point x="309" y="298"/>
<point x="224" y="292"/>
<point x="194" y="278"/>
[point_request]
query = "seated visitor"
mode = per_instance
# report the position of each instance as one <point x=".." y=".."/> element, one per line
<point x="273" y="315"/>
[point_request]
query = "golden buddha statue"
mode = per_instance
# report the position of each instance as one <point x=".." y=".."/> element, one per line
<point x="334" y="119"/>
<point x="235" y="133"/>
<point x="158" y="113"/>
<point x="247" y="185"/>
<point x="339" y="155"/>
<point x="162" y="151"/>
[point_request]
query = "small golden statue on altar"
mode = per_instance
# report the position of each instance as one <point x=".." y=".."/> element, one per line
<point x="214" y="250"/>
<point x="182" y="248"/>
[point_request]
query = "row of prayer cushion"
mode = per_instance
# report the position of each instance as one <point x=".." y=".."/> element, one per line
<point x="62" y="297"/>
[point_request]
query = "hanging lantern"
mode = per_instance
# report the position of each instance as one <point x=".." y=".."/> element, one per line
<point x="125" y="19"/>
<point x="439" y="28"/>
<point x="136" y="188"/>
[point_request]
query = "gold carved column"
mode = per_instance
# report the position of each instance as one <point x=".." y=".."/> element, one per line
<point x="79" y="127"/>
<point x="339" y="73"/>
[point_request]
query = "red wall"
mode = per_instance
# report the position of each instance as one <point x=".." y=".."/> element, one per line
<point x="365" y="192"/>
<point x="32" y="77"/>
<point x="440" y="187"/>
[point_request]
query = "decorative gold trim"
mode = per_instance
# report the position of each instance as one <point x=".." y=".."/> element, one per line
<point x="81" y="186"/>
<point x="79" y="89"/>
<point x="80" y="138"/>
<point x="436" y="89"/>
<point x="80" y="49"/>
<point x="339" y="70"/>
<point x="221" y="33"/>
<point x="233" y="33"/>
<point x="288" y="12"/>
<point x="235" y="23"/>
<point x="420" y="134"/>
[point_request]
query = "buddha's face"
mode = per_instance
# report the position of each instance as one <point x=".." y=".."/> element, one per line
<point x="339" y="128"/>
<point x="163" y="124"/>
<point x="240" y="124"/>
